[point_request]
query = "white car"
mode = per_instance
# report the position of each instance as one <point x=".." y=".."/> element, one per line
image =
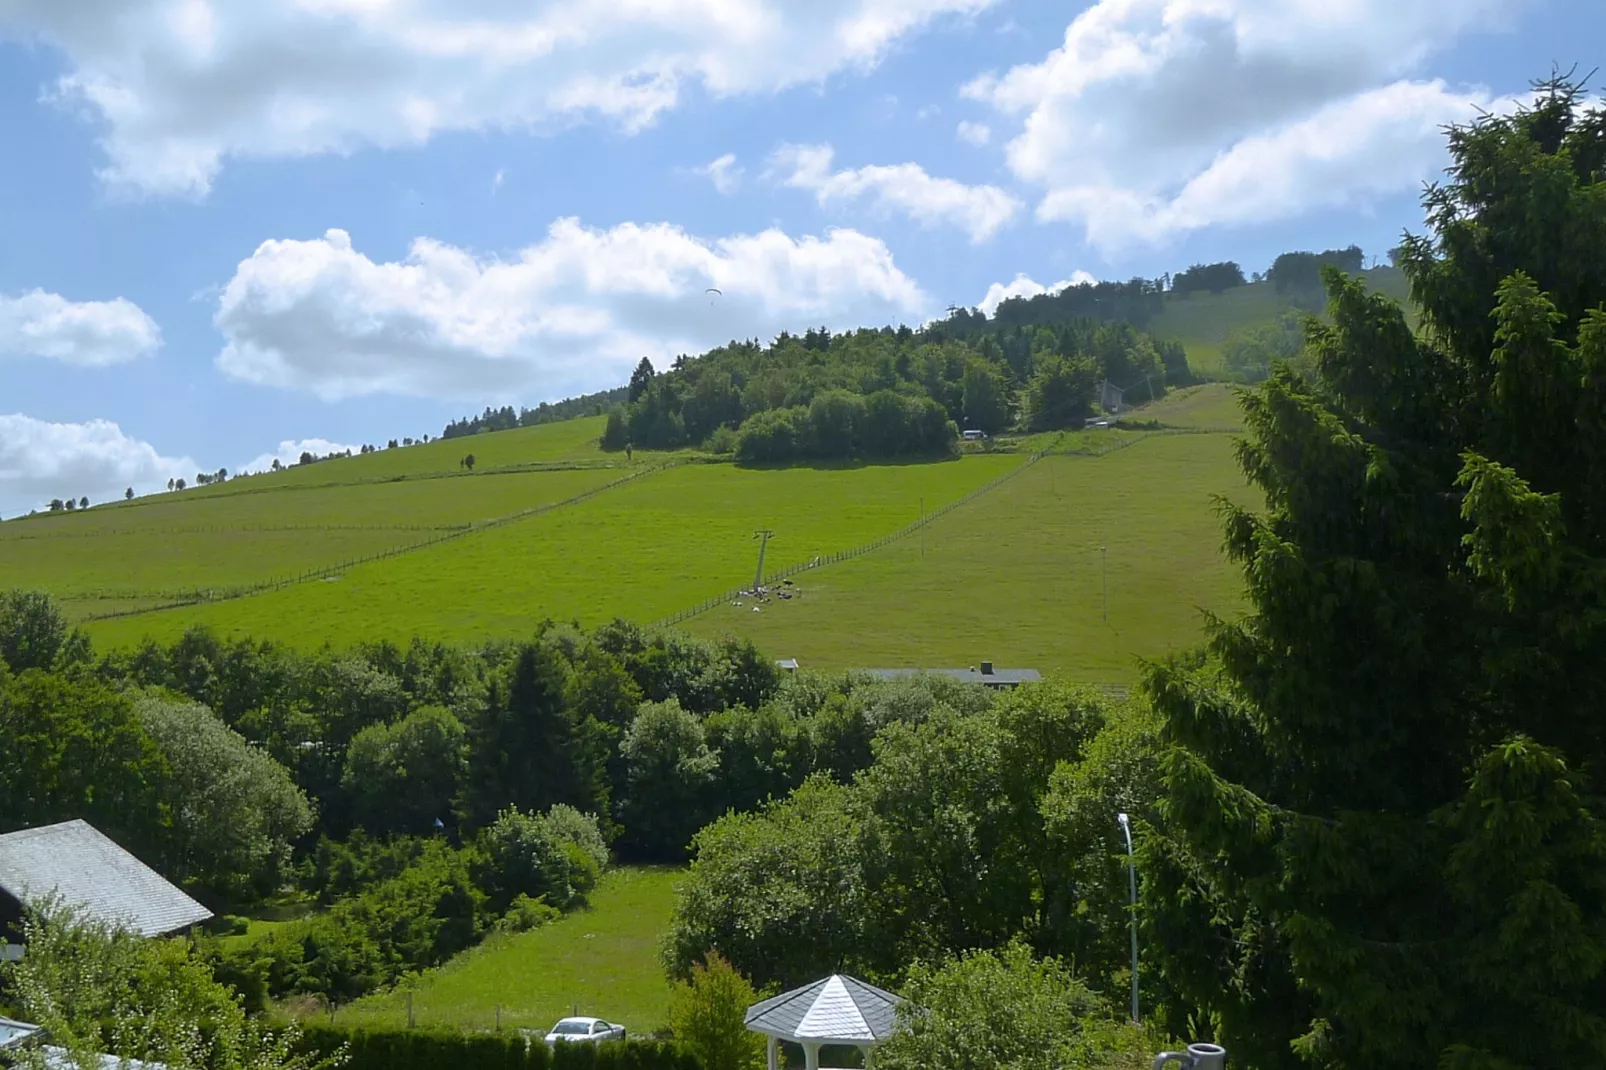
<point x="578" y="1029"/>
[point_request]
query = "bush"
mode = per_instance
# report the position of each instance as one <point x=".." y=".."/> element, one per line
<point x="722" y="441"/>
<point x="557" y="856"/>
<point x="526" y="913"/>
<point x="773" y="437"/>
<point x="1005" y="1010"/>
<point x="708" y="1016"/>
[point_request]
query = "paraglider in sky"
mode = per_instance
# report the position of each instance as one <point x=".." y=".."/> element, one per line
<point x="713" y="290"/>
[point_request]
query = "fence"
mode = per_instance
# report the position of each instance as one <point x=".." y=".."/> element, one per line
<point x="224" y="594"/>
<point x="857" y="551"/>
<point x="909" y="529"/>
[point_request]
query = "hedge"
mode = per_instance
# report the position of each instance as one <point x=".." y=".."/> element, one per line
<point x="449" y="1049"/>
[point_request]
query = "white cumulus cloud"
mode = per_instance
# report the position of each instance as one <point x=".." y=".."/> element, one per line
<point x="723" y="173"/>
<point x="973" y="133"/>
<point x="86" y="333"/>
<point x="290" y="451"/>
<point x="569" y="314"/>
<point x="1156" y="117"/>
<point x="1024" y="286"/>
<point x="40" y="460"/>
<point x="179" y="86"/>
<point x="905" y="188"/>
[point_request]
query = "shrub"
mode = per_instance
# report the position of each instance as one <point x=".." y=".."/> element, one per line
<point x="431" y="1049"/>
<point x="557" y="856"/>
<point x="708" y="1015"/>
<point x="526" y="913"/>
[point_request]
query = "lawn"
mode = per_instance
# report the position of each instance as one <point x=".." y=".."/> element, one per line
<point x="1015" y="575"/>
<point x="643" y="551"/>
<point x="601" y="961"/>
<point x="110" y="560"/>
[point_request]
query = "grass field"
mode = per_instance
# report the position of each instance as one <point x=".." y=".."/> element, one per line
<point x="1015" y="576"/>
<point x="643" y="550"/>
<point x="1203" y="321"/>
<point x="1213" y="406"/>
<point x="103" y="560"/>
<point x="601" y="961"/>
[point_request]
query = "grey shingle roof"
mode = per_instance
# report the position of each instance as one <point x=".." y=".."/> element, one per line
<point x="838" y="1008"/>
<point x="87" y="870"/>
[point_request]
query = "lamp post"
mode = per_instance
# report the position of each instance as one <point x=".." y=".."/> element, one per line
<point x="1132" y="878"/>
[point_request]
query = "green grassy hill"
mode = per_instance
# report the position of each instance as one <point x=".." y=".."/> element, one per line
<point x="1201" y="322"/>
<point x="406" y="542"/>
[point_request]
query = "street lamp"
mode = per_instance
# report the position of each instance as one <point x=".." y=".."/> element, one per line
<point x="1132" y="878"/>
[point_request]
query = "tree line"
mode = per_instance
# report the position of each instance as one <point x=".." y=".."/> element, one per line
<point x="884" y="392"/>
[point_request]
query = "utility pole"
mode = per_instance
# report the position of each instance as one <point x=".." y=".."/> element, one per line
<point x="1104" y="581"/>
<point x="763" y="537"/>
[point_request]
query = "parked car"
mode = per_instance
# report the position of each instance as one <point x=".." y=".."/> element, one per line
<point x="572" y="1030"/>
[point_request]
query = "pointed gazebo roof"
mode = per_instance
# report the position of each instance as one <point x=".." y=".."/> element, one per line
<point x="836" y="1010"/>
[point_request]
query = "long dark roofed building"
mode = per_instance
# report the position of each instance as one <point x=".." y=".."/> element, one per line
<point x="986" y="675"/>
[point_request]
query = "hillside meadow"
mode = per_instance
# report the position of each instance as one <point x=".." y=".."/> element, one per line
<point x="601" y="960"/>
<point x="642" y="550"/>
<point x="1017" y="576"/>
<point x="98" y="560"/>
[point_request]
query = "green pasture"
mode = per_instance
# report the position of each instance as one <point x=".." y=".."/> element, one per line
<point x="114" y="560"/>
<point x="602" y="961"/>
<point x="568" y="440"/>
<point x="1213" y="406"/>
<point x="643" y="550"/>
<point x="1015" y="575"/>
<point x="1203" y="321"/>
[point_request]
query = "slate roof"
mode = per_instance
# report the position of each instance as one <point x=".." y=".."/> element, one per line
<point x="88" y="870"/>
<point x="837" y="1008"/>
<point x="996" y="678"/>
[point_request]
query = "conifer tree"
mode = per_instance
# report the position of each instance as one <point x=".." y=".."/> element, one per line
<point x="1384" y="837"/>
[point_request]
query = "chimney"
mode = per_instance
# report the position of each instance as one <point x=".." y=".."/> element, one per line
<point x="986" y="668"/>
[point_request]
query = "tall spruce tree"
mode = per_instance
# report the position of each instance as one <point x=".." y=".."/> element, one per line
<point x="1384" y="836"/>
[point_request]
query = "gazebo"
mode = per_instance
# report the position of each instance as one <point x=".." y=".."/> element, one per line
<point x="838" y="1010"/>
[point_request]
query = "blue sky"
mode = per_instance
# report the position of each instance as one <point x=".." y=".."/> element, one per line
<point x="228" y="228"/>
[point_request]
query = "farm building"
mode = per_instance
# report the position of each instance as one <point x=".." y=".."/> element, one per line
<point x="83" y="868"/>
<point x="986" y="675"/>
<point x="1110" y="396"/>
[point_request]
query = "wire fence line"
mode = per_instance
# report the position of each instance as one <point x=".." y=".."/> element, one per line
<point x="1053" y="449"/>
<point x="223" y="594"/>
<point x="822" y="560"/>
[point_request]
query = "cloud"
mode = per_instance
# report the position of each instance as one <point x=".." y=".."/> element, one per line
<point x="906" y="188"/>
<point x="89" y="334"/>
<point x="974" y="133"/>
<point x="179" y="86"/>
<point x="290" y="451"/>
<point x="570" y="314"/>
<point x="496" y="179"/>
<point x="41" y="460"/>
<point x="1373" y="144"/>
<point x="723" y="172"/>
<point x="1140" y="126"/>
<point x="1023" y="286"/>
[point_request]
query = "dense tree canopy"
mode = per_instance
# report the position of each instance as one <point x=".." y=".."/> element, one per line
<point x="1383" y="839"/>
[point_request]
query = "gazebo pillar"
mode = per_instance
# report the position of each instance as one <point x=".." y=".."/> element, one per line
<point x="811" y="1055"/>
<point x="774" y="1053"/>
